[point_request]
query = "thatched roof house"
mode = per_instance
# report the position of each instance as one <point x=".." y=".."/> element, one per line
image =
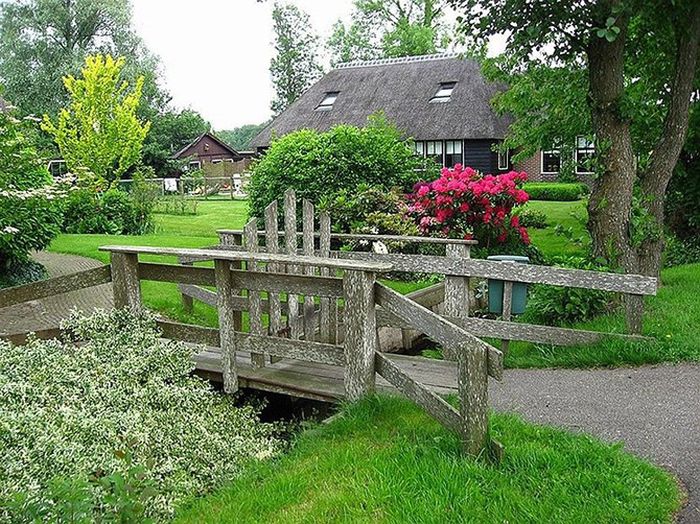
<point x="441" y="101"/>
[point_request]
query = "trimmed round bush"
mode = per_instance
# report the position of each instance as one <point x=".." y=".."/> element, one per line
<point x="116" y="429"/>
<point x="320" y="165"/>
<point x="558" y="191"/>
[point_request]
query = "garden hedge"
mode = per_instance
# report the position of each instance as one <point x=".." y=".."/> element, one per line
<point x="558" y="191"/>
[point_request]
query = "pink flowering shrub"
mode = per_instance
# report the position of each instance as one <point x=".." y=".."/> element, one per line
<point x="463" y="203"/>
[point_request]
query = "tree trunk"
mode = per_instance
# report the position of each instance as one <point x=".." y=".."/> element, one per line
<point x="666" y="152"/>
<point x="610" y="204"/>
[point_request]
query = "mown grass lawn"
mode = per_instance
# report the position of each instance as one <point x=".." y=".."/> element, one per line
<point x="384" y="460"/>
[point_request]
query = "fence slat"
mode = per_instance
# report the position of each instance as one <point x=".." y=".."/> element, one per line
<point x="55" y="286"/>
<point x="290" y="241"/>
<point x="272" y="245"/>
<point x="308" y="250"/>
<point x="418" y="393"/>
<point x="125" y="280"/>
<point x="436" y="327"/>
<point x="257" y="360"/>
<point x="227" y="327"/>
<point x="472" y="386"/>
<point x="361" y="341"/>
<point x="325" y="330"/>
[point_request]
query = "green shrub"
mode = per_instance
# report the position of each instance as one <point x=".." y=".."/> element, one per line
<point x="557" y="305"/>
<point x="679" y="252"/>
<point x="323" y="164"/>
<point x="116" y="415"/>
<point x="29" y="215"/>
<point x="176" y="205"/>
<point x="113" y="212"/>
<point x="562" y="192"/>
<point x="533" y="218"/>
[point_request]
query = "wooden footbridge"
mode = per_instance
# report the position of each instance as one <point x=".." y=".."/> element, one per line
<point x="312" y="315"/>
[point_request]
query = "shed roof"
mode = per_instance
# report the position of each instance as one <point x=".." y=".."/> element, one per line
<point x="402" y="89"/>
<point x="212" y="137"/>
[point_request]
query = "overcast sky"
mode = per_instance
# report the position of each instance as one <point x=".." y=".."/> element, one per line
<point x="215" y="54"/>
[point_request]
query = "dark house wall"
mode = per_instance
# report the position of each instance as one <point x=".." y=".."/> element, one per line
<point x="207" y="150"/>
<point x="479" y="154"/>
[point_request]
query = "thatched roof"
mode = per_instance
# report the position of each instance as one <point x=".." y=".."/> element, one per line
<point x="402" y="89"/>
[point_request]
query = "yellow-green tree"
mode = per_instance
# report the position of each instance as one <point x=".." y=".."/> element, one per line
<point x="99" y="131"/>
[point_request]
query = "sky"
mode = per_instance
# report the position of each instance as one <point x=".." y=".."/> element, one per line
<point x="215" y="54"/>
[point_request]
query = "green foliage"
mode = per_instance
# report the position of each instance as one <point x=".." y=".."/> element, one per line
<point x="240" y="137"/>
<point x="100" y="130"/>
<point x="67" y="408"/>
<point x="113" y="212"/>
<point x="41" y="41"/>
<point x="558" y="191"/>
<point x="319" y="165"/>
<point x="176" y="205"/>
<point x="384" y="460"/>
<point x="380" y="29"/>
<point x="295" y="65"/>
<point x="29" y="214"/>
<point x="533" y="218"/>
<point x="679" y="252"/>
<point x="170" y="131"/>
<point x="557" y="305"/>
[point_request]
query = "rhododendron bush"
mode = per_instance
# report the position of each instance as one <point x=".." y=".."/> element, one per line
<point x="463" y="203"/>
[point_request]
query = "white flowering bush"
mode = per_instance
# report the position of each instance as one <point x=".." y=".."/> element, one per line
<point x="116" y="421"/>
<point x="30" y="216"/>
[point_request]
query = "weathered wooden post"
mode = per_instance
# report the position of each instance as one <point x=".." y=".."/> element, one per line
<point x="290" y="240"/>
<point x="507" y="310"/>
<point x="456" y="288"/>
<point x="227" y="324"/>
<point x="125" y="280"/>
<point x="187" y="301"/>
<point x="257" y="360"/>
<point x="308" y="250"/>
<point x="472" y="385"/>
<point x="361" y="340"/>
<point x="235" y="239"/>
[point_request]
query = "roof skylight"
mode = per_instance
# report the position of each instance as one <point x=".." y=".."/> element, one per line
<point x="328" y="101"/>
<point x="444" y="92"/>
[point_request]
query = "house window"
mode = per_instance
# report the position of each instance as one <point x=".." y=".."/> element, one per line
<point x="503" y="159"/>
<point x="194" y="165"/>
<point x="328" y="101"/>
<point x="585" y="151"/>
<point x="419" y="148"/>
<point x="453" y="152"/>
<point x="551" y="162"/>
<point x="217" y="161"/>
<point x="444" y="92"/>
<point x="57" y="168"/>
<point x="433" y="149"/>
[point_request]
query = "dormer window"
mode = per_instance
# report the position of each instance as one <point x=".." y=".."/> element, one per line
<point x="328" y="101"/>
<point x="444" y="92"/>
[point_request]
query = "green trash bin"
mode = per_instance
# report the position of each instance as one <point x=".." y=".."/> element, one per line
<point x="496" y="289"/>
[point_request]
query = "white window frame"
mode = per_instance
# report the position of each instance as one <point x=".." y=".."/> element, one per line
<point x="505" y="155"/>
<point x="444" y="92"/>
<point x="432" y="155"/>
<point x="328" y="101"/>
<point x="217" y="161"/>
<point x="461" y="151"/>
<point x="549" y="152"/>
<point x="576" y="151"/>
<point x="192" y="163"/>
<point x="55" y="161"/>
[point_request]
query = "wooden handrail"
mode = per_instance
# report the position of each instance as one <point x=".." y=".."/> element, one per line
<point x="243" y="256"/>
<point x="370" y="237"/>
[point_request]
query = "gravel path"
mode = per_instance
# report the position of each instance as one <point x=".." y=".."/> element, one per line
<point x="48" y="312"/>
<point x="654" y="410"/>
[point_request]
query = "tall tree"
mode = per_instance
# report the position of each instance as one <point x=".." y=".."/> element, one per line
<point x="239" y="138"/>
<point x="634" y="75"/>
<point x="615" y="70"/>
<point x="100" y="130"/>
<point x="390" y="28"/>
<point x="41" y="41"/>
<point x="295" y="65"/>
